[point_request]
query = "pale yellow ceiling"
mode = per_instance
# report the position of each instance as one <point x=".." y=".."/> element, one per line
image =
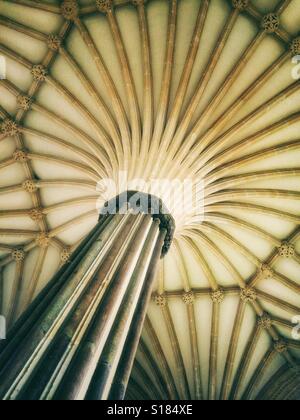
<point x="178" y="89"/>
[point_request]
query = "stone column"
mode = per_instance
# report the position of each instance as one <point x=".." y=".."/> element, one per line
<point x="79" y="338"/>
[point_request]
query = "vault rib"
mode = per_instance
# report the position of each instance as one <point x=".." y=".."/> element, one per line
<point x="182" y="376"/>
<point x="129" y="87"/>
<point x="258" y="374"/>
<point x="252" y="192"/>
<point x="202" y="261"/>
<point x="278" y="302"/>
<point x="277" y="321"/>
<point x="231" y="355"/>
<point x="20" y="115"/>
<point x="176" y="108"/>
<point x="217" y="217"/>
<point x="118" y="107"/>
<point x="202" y="84"/>
<point x="236" y="180"/>
<point x="94" y="146"/>
<point x="16" y="26"/>
<point x="66" y="162"/>
<point x="148" y="107"/>
<point x="228" y="205"/>
<point x="199" y="235"/>
<point x="217" y="144"/>
<point x="88" y="157"/>
<point x="144" y="350"/>
<point x="15" y="293"/>
<point x="105" y="141"/>
<point x="192" y="141"/>
<point x="163" y="106"/>
<point x="147" y="381"/>
<point x="214" y="347"/>
<point x="190" y="152"/>
<point x="283" y="6"/>
<point x="161" y="358"/>
<point x="38" y="5"/>
<point x="243" y="367"/>
<point x="90" y="88"/>
<point x="188" y="299"/>
<point x="216" y="169"/>
<point x="211" y="228"/>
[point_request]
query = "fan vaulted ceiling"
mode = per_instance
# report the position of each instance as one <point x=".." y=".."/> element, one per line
<point x="184" y="89"/>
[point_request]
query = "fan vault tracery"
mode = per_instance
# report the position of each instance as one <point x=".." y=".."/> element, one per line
<point x="163" y="88"/>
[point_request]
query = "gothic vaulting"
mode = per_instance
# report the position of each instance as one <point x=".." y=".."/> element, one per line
<point x="199" y="90"/>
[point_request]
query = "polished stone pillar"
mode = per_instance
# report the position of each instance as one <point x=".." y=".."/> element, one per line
<point x="78" y="339"/>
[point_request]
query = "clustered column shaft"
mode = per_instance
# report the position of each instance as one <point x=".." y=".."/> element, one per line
<point x="79" y="338"/>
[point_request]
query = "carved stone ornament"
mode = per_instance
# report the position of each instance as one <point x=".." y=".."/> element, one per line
<point x="65" y="255"/>
<point x="217" y="296"/>
<point x="29" y="186"/>
<point x="188" y="298"/>
<point x="240" y="4"/>
<point x="270" y="23"/>
<point x="36" y="214"/>
<point x="43" y="240"/>
<point x="20" y="156"/>
<point x="287" y="250"/>
<point x="265" y="322"/>
<point x="160" y="300"/>
<point x="9" y="127"/>
<point x="24" y="102"/>
<point x="266" y="271"/>
<point x="54" y="42"/>
<point x="295" y="46"/>
<point x="248" y="295"/>
<point x="69" y="9"/>
<point x="18" y="255"/>
<point x="39" y="73"/>
<point x="104" y="6"/>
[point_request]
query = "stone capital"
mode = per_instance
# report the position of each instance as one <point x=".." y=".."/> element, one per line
<point x="138" y="203"/>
